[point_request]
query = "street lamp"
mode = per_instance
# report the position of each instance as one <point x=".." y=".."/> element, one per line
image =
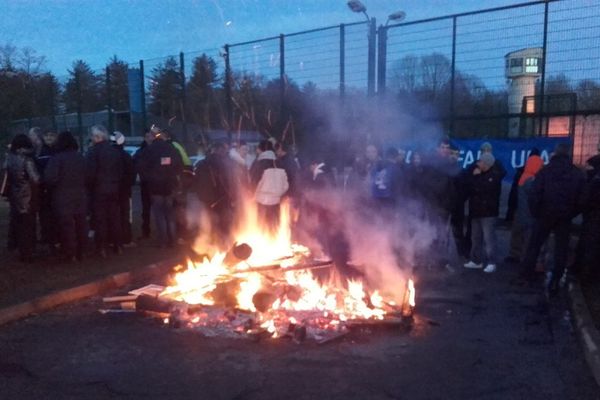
<point x="358" y="7"/>
<point x="397" y="16"/>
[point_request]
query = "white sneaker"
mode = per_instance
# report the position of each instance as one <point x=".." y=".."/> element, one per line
<point x="490" y="268"/>
<point x="472" y="265"/>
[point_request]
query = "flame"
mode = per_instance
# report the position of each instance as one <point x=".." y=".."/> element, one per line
<point x="297" y="295"/>
<point x="411" y="293"/>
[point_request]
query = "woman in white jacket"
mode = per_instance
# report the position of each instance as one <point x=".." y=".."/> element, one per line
<point x="270" y="183"/>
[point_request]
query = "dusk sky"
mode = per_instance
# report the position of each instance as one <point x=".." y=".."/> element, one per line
<point x="95" y="30"/>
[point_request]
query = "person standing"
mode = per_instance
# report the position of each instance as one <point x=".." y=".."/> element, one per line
<point x="125" y="190"/>
<point x="484" y="204"/>
<point x="65" y="176"/>
<point x="285" y="160"/>
<point x="555" y="199"/>
<point x="590" y="237"/>
<point x="270" y="183"/>
<point x="144" y="192"/>
<point x="104" y="174"/>
<point x="521" y="228"/>
<point x="47" y="218"/>
<point x="23" y="182"/>
<point x="161" y="166"/>
<point x="385" y="181"/>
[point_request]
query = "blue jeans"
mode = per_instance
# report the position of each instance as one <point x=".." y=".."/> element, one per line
<point x="163" y="211"/>
<point x="483" y="237"/>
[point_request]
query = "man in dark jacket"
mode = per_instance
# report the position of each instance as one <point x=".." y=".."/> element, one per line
<point x="104" y="174"/>
<point x="285" y="160"/>
<point x="554" y="200"/>
<point x="48" y="220"/>
<point x="484" y="204"/>
<point x="161" y="166"/>
<point x="144" y="192"/>
<point x="65" y="176"/>
<point x="127" y="182"/>
<point x="591" y="233"/>
<point x="214" y="186"/>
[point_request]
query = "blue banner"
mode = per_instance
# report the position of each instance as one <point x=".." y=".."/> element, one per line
<point x="511" y="152"/>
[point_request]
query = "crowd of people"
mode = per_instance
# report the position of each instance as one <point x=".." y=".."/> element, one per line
<point x="77" y="199"/>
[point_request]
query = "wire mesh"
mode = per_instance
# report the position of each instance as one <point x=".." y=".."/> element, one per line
<point x="314" y="57"/>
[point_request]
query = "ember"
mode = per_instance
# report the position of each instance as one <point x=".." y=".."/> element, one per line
<point x="265" y="287"/>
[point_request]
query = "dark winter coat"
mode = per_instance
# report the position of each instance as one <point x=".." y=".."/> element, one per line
<point x="484" y="195"/>
<point x="23" y="181"/>
<point x="42" y="159"/>
<point x="292" y="171"/>
<point x="436" y="185"/>
<point x="161" y="165"/>
<point x="129" y="173"/>
<point x="212" y="183"/>
<point x="104" y="169"/>
<point x="385" y="181"/>
<point x="594" y="163"/>
<point x="522" y="212"/>
<point x="557" y="192"/>
<point x="65" y="175"/>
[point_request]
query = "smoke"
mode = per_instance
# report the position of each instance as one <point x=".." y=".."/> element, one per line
<point x="345" y="127"/>
<point x="383" y="244"/>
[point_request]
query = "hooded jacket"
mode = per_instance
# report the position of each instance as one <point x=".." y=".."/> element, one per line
<point x="533" y="165"/>
<point x="557" y="191"/>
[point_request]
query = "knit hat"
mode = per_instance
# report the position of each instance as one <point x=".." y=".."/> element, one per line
<point x="486" y="146"/>
<point x="487" y="159"/>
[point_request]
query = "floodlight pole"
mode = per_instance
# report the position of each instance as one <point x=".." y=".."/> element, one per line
<point x="372" y="38"/>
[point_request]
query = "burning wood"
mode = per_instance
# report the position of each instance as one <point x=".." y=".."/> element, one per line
<point x="263" y="286"/>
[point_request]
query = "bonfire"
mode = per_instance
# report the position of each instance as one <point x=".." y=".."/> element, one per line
<point x="267" y="286"/>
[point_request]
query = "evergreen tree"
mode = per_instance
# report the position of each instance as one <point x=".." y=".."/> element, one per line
<point x="119" y="89"/>
<point x="165" y="90"/>
<point x="84" y="87"/>
<point x="201" y="102"/>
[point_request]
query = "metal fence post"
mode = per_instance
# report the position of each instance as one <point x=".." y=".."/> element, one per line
<point x="79" y="109"/>
<point x="109" y="101"/>
<point x="371" y="54"/>
<point x="228" y="101"/>
<point x="543" y="81"/>
<point x="452" y="76"/>
<point x="53" y="108"/>
<point x="282" y="76"/>
<point x="342" y="61"/>
<point x="381" y="60"/>
<point x="182" y="103"/>
<point x="143" y="97"/>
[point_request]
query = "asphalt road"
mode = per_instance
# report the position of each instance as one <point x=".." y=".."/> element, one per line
<point x="475" y="337"/>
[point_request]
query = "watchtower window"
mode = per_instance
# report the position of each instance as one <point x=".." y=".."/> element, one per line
<point x="516" y="65"/>
<point x="531" y="65"/>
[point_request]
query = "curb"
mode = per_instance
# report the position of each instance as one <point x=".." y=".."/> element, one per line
<point x="111" y="282"/>
<point x="588" y="334"/>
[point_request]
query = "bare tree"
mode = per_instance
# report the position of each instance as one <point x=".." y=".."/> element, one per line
<point x="30" y="62"/>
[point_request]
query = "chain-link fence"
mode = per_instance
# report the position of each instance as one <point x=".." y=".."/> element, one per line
<point x="516" y="71"/>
